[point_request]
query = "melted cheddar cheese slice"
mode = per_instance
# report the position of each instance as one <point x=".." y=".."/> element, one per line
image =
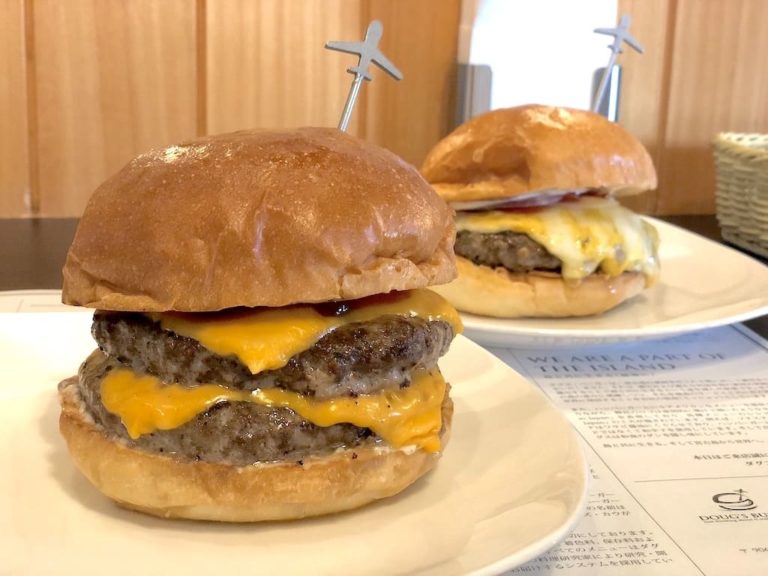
<point x="266" y="338"/>
<point x="401" y="417"/>
<point x="587" y="235"/>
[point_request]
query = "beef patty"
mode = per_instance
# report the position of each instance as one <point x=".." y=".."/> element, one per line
<point x="358" y="358"/>
<point x="515" y="252"/>
<point x="236" y="433"/>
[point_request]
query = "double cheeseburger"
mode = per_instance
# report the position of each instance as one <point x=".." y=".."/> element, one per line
<point x="266" y="345"/>
<point x="539" y="232"/>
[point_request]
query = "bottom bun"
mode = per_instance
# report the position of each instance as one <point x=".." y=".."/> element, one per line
<point x="503" y="294"/>
<point x="174" y="488"/>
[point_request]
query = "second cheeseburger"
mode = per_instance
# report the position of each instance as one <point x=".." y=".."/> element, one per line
<point x="539" y="230"/>
<point x="267" y="349"/>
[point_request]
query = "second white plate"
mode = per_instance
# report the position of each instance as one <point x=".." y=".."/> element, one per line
<point x="703" y="284"/>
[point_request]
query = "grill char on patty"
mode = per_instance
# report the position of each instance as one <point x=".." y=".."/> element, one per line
<point x="515" y="252"/>
<point x="237" y="433"/>
<point x="358" y="358"/>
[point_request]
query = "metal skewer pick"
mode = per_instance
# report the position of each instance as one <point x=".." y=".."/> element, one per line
<point x="368" y="52"/>
<point x="620" y="36"/>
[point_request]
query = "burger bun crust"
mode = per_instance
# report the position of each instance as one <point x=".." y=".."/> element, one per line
<point x="258" y="218"/>
<point x="496" y="292"/>
<point x="527" y="149"/>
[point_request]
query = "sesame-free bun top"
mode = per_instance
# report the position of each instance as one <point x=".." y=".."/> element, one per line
<point x="516" y="151"/>
<point x="258" y="218"/>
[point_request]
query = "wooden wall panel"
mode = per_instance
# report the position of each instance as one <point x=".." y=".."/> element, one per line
<point x="643" y="94"/>
<point x="266" y="65"/>
<point x="421" y="38"/>
<point x="14" y="169"/>
<point x="113" y="79"/>
<point x="718" y="82"/>
<point x="103" y="80"/>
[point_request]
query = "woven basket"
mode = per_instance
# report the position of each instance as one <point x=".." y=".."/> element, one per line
<point x="742" y="189"/>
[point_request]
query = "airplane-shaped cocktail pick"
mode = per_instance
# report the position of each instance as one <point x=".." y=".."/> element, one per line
<point x="620" y="35"/>
<point x="368" y="52"/>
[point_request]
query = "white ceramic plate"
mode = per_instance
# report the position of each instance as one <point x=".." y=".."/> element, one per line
<point x="35" y="301"/>
<point x="510" y="486"/>
<point x="703" y="284"/>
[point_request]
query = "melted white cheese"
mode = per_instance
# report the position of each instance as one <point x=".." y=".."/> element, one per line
<point x="587" y="235"/>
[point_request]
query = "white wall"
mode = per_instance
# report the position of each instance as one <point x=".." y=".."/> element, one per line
<point x="540" y="51"/>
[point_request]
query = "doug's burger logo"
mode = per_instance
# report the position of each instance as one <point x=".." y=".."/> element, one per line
<point x="735" y="500"/>
<point x="734" y="506"/>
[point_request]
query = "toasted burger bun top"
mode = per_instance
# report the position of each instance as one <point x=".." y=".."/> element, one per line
<point x="258" y="218"/>
<point x="516" y="151"/>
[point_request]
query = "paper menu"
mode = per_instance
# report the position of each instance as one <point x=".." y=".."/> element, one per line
<point x="676" y="433"/>
<point x="615" y="537"/>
